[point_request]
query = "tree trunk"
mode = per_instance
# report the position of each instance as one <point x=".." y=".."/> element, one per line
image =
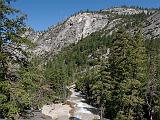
<point x="102" y="112"/>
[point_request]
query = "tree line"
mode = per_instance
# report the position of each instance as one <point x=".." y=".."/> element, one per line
<point x="126" y="85"/>
<point x="23" y="86"/>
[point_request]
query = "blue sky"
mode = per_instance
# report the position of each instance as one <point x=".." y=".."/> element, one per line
<point x="44" y="13"/>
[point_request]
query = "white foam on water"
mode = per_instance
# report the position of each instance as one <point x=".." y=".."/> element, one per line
<point x="84" y="105"/>
<point x="83" y="110"/>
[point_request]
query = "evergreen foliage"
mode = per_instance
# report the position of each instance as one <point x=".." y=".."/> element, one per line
<point x="10" y="30"/>
<point x="152" y="93"/>
<point x="123" y="84"/>
<point x="120" y="84"/>
<point x="18" y="91"/>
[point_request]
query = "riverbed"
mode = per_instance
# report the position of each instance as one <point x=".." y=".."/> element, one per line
<point x="75" y="108"/>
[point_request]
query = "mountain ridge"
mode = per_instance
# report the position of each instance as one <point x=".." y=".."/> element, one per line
<point x="82" y="24"/>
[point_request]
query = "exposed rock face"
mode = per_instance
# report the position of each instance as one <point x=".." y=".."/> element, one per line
<point x="126" y="11"/>
<point x="17" y="55"/>
<point x="152" y="29"/>
<point x="83" y="24"/>
<point x="72" y="30"/>
<point x="15" y="52"/>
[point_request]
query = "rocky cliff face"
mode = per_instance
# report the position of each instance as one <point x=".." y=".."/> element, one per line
<point x="126" y="11"/>
<point x="83" y="24"/>
<point x="70" y="31"/>
<point x="152" y="26"/>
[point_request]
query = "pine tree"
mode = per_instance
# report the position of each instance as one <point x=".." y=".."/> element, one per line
<point x="56" y="74"/>
<point x="152" y="92"/>
<point x="11" y="29"/>
<point x="102" y="89"/>
<point x="124" y="56"/>
<point x="138" y="65"/>
<point x="32" y="80"/>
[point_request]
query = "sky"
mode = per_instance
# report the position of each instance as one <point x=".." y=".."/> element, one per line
<point x="45" y="13"/>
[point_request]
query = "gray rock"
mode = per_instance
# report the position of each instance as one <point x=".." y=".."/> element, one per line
<point x="81" y="25"/>
<point x="152" y="28"/>
<point x="126" y="11"/>
<point x="37" y="116"/>
<point x="16" y="52"/>
<point x="70" y="31"/>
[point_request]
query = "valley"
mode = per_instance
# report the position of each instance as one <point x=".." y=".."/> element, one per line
<point x="92" y="65"/>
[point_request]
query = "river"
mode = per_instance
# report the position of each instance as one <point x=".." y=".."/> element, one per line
<point x="75" y="108"/>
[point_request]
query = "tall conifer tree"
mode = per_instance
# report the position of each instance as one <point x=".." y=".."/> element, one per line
<point x="11" y="29"/>
<point x="127" y="72"/>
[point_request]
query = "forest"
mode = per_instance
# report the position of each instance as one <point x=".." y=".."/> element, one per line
<point x="124" y="82"/>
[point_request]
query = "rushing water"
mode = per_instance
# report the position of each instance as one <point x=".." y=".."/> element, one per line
<point x="75" y="108"/>
<point x="83" y="111"/>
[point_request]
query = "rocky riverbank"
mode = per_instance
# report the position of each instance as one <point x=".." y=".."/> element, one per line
<point x="75" y="108"/>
